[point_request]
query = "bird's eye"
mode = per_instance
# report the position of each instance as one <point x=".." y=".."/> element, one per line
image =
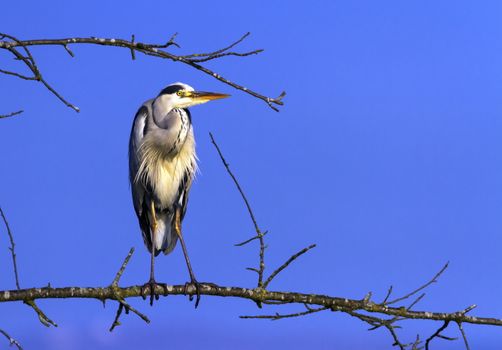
<point x="179" y="93"/>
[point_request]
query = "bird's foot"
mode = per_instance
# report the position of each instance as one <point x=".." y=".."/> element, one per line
<point x="197" y="286"/>
<point x="149" y="288"/>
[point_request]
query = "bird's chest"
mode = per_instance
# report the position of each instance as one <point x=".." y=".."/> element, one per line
<point x="171" y="169"/>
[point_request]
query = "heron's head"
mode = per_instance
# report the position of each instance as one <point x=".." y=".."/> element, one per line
<point x="179" y="95"/>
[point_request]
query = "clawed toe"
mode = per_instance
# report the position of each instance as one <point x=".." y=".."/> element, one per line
<point x="149" y="287"/>
<point x="197" y="286"/>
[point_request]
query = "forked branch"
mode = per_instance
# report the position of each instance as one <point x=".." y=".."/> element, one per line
<point x="13" y="45"/>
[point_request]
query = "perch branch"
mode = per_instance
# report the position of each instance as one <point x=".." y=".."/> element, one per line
<point x="258" y="294"/>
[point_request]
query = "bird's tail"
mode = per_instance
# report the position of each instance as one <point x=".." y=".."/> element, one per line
<point x="165" y="235"/>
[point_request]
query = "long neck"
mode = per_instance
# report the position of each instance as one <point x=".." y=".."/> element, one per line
<point x="169" y="128"/>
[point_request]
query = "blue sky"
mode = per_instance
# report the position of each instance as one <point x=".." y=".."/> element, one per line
<point x="386" y="154"/>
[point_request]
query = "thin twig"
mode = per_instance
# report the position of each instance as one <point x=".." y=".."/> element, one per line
<point x="286" y="264"/>
<point x="122" y="267"/>
<point x="239" y="188"/>
<point x="24" y="77"/>
<point x="259" y="233"/>
<point x="461" y="328"/>
<point x="437" y="334"/>
<point x="433" y="280"/>
<point x="12" y="341"/>
<point x="377" y="322"/>
<point x="220" y="50"/>
<point x="387" y="296"/>
<point x="250" y="240"/>
<point x="279" y="316"/>
<point x="46" y="321"/>
<point x="154" y="50"/>
<point x="10" y="114"/>
<point x="11" y="248"/>
<point x="70" y="52"/>
<point x="123" y="305"/>
<point x="415" y="302"/>
<point x="116" y="321"/>
<point x="238" y="54"/>
<point x="32" y="65"/>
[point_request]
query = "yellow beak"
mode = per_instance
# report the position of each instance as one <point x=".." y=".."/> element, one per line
<point x="202" y="96"/>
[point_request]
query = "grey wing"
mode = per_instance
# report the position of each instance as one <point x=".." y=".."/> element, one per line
<point x="139" y="193"/>
<point x="183" y="192"/>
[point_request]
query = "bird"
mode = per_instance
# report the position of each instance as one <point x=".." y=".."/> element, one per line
<point x="162" y="166"/>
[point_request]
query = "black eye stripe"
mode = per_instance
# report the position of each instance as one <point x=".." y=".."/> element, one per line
<point x="171" y="89"/>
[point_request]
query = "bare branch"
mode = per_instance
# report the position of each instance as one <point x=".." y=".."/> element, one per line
<point x="11" y="248"/>
<point x="250" y="240"/>
<point x="12" y="341"/>
<point x="217" y="52"/>
<point x="122" y="267"/>
<point x="259" y="233"/>
<point x="30" y="62"/>
<point x="123" y="305"/>
<point x="377" y="322"/>
<point x="461" y="328"/>
<point x="46" y="321"/>
<point x="11" y="114"/>
<point x="433" y="280"/>
<point x="286" y="264"/>
<point x="21" y="76"/>
<point x="155" y="50"/>
<point x="437" y="334"/>
<point x="116" y="321"/>
<point x="278" y="316"/>
<point x="70" y="52"/>
<point x="258" y="294"/>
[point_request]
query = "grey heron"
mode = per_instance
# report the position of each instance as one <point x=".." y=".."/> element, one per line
<point x="162" y="165"/>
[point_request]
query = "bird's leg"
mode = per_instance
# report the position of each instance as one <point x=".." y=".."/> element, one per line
<point x="193" y="281"/>
<point x="151" y="284"/>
